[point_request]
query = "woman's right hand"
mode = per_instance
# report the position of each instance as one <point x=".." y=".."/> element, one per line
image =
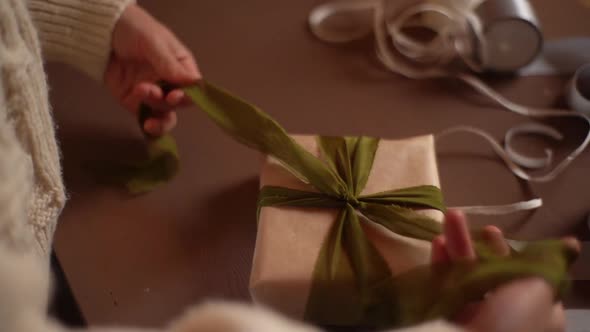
<point x="522" y="305"/>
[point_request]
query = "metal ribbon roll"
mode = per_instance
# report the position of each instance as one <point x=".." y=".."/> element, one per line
<point x="512" y="34"/>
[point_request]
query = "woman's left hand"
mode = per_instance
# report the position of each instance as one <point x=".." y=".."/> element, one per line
<point x="144" y="52"/>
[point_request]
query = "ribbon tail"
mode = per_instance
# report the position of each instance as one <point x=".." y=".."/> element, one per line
<point x="402" y="221"/>
<point x="371" y="270"/>
<point x="346" y="273"/>
<point x="281" y="196"/>
<point x="162" y="165"/>
<point x="438" y="291"/>
<point x="333" y="282"/>
<point x="420" y="197"/>
<point x="255" y="129"/>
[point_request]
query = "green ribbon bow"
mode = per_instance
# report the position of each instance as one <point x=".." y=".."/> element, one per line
<point x="352" y="284"/>
<point x="349" y="265"/>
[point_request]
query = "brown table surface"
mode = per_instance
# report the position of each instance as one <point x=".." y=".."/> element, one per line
<point x="141" y="260"/>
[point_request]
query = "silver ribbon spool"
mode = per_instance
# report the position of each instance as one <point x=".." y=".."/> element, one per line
<point x="512" y="34"/>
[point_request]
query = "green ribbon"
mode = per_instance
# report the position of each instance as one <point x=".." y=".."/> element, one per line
<point x="160" y="165"/>
<point x="352" y="284"/>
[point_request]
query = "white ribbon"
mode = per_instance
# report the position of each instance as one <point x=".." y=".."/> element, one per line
<point x="458" y="36"/>
<point x="531" y="128"/>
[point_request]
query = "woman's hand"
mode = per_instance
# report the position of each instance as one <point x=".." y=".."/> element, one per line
<point x="522" y="305"/>
<point x="145" y="52"/>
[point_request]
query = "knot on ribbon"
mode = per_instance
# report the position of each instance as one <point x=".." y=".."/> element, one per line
<point x="352" y="200"/>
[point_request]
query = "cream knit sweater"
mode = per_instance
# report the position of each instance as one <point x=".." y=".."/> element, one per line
<point x="76" y="32"/>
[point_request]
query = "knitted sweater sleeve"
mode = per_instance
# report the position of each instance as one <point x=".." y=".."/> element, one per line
<point x="234" y="317"/>
<point x="16" y="178"/>
<point x="77" y="32"/>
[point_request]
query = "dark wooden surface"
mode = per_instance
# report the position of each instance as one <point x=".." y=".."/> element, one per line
<point x="141" y="260"/>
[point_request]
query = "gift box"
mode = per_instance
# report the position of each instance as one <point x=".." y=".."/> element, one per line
<point x="289" y="239"/>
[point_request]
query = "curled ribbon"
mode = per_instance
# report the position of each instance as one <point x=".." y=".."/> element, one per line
<point x="458" y="36"/>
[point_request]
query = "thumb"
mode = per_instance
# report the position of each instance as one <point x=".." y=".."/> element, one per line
<point x="173" y="64"/>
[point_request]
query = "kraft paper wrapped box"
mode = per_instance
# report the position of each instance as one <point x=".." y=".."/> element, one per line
<point x="289" y="239"/>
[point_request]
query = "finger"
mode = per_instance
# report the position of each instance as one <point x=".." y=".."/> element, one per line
<point x="189" y="63"/>
<point x="144" y="93"/>
<point x="153" y="127"/>
<point x="155" y="92"/>
<point x="165" y="59"/>
<point x="186" y="58"/>
<point x="185" y="100"/>
<point x="439" y="253"/>
<point x="157" y="101"/>
<point x="175" y="97"/>
<point x="130" y="74"/>
<point x="557" y="322"/>
<point x="572" y="243"/>
<point x="169" y="121"/>
<point x="158" y="126"/>
<point x="166" y="64"/>
<point x="458" y="240"/>
<point x="133" y="99"/>
<point x="522" y="305"/>
<point x="494" y="238"/>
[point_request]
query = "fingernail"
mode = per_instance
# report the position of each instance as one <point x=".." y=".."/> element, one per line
<point x="153" y="127"/>
<point x="456" y="214"/>
<point x="176" y="98"/>
<point x="572" y="243"/>
<point x="439" y="251"/>
<point x="495" y="239"/>
<point x="491" y="232"/>
<point x="459" y="243"/>
<point x="156" y="92"/>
